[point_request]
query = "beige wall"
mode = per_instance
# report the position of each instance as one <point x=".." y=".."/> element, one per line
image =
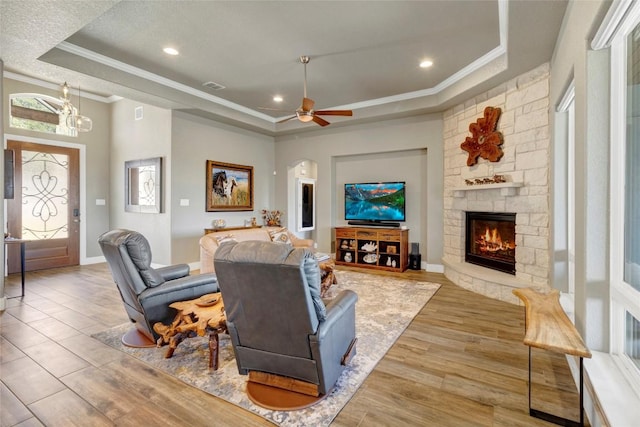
<point x="141" y="139"/>
<point x="194" y="141"/>
<point x="390" y="138"/>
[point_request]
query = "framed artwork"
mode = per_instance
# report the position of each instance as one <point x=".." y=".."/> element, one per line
<point x="229" y="187"/>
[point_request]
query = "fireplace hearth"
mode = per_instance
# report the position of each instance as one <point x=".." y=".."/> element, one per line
<point x="490" y="240"/>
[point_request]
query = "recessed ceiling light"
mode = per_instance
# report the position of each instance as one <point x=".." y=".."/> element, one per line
<point x="426" y="64"/>
<point x="277" y="98"/>
<point x="170" y="51"/>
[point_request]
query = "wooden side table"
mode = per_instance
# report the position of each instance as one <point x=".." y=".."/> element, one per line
<point x="195" y="318"/>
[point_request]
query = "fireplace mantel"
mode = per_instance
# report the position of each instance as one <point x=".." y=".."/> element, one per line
<point x="506" y="188"/>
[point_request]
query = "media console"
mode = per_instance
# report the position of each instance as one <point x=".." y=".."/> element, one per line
<point x="376" y="248"/>
<point x="375" y="223"/>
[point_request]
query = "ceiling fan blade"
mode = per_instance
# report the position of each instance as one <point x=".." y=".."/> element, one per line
<point x="287" y="119"/>
<point x="335" y="112"/>
<point x="307" y="104"/>
<point x="320" y="121"/>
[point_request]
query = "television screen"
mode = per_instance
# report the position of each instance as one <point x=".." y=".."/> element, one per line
<point x="376" y="201"/>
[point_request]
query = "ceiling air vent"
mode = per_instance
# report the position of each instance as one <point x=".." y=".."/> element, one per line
<point x="213" y="85"/>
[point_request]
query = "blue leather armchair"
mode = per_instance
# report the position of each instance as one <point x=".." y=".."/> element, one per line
<point x="276" y="319"/>
<point x="147" y="292"/>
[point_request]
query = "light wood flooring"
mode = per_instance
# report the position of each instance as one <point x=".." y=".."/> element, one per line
<point x="461" y="362"/>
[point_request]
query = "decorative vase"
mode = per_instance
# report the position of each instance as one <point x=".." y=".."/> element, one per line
<point x="219" y="223"/>
<point x="347" y="257"/>
<point x="389" y="261"/>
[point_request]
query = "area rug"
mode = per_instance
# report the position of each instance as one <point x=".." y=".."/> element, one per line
<point x="385" y="307"/>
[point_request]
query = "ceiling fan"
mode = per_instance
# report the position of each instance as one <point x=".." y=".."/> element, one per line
<point x="305" y="113"/>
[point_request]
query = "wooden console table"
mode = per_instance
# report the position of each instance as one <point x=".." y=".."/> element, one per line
<point x="548" y="327"/>
<point x="214" y="230"/>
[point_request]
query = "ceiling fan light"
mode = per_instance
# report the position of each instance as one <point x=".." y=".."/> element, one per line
<point x="305" y="116"/>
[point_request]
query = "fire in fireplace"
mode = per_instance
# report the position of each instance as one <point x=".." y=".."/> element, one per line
<point x="491" y="240"/>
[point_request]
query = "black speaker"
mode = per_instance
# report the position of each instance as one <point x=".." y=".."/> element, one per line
<point x="415" y="248"/>
<point x="415" y="260"/>
<point x="8" y="173"/>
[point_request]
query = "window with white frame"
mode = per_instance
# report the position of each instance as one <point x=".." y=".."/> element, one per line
<point x="625" y="199"/>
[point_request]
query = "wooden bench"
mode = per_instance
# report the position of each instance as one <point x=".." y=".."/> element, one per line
<point x="548" y="327"/>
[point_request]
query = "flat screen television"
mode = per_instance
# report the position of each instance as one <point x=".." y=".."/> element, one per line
<point x="375" y="202"/>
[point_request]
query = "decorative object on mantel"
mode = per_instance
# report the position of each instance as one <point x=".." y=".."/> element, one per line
<point x="271" y="218"/>
<point x="506" y="188"/>
<point x="219" y="223"/>
<point x="496" y="179"/>
<point x="486" y="141"/>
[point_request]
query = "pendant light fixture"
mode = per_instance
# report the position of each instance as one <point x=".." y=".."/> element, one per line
<point x="75" y="120"/>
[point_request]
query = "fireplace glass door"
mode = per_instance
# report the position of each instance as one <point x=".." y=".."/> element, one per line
<point x="491" y="240"/>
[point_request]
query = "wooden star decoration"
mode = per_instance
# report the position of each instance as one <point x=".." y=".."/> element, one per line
<point x="486" y="141"/>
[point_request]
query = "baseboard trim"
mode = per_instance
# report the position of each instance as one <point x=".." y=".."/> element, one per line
<point x="93" y="260"/>
<point x="433" y="268"/>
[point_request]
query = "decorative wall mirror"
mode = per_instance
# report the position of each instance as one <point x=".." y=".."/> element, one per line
<point x="143" y="185"/>
<point x="306" y="204"/>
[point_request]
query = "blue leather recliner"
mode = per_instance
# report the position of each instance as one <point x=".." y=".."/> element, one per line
<point x="146" y="291"/>
<point x="276" y="319"/>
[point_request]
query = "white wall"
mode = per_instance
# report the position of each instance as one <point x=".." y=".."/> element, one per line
<point x="194" y="141"/>
<point x="573" y="59"/>
<point x="386" y="138"/>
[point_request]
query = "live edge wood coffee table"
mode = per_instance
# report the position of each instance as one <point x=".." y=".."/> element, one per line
<point x="195" y="318"/>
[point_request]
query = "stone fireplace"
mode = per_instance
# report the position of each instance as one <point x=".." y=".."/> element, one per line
<point x="490" y="240"/>
<point x="525" y="195"/>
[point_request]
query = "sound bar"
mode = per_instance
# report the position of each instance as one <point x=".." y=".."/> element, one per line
<point x="375" y="223"/>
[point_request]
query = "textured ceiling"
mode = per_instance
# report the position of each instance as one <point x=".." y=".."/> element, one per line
<point x="364" y="54"/>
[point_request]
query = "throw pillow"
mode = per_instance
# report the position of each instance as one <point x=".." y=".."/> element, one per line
<point x="227" y="238"/>
<point x="313" y="275"/>
<point x="280" y="235"/>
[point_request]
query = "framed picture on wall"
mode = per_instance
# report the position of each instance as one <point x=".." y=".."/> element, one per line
<point x="143" y="185"/>
<point x="229" y="187"/>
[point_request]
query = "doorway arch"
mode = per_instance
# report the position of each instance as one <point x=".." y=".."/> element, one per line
<point x="299" y="169"/>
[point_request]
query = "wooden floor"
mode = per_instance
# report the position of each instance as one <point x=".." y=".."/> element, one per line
<point x="461" y="362"/>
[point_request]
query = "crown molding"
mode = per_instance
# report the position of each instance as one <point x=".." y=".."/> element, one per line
<point x="470" y="69"/>
<point x="613" y="21"/>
